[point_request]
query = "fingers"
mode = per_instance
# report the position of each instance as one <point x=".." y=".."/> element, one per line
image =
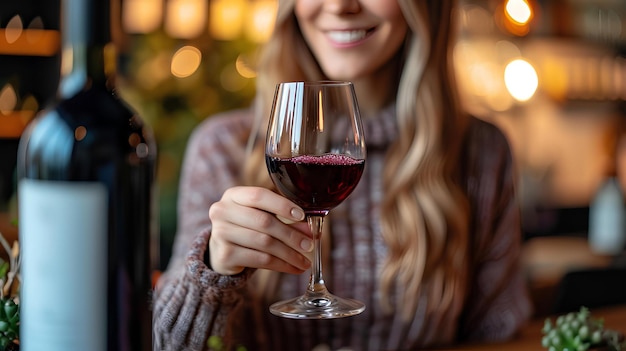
<point x="247" y="232"/>
<point x="252" y="249"/>
<point x="265" y="200"/>
<point x="285" y="220"/>
<point x="234" y="221"/>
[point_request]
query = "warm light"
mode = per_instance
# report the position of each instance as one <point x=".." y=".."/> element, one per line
<point x="227" y="17"/>
<point x="13" y="120"/>
<point x="186" y="61"/>
<point x="29" y="103"/>
<point x="519" y="11"/>
<point x="243" y="68"/>
<point x="142" y="16"/>
<point x="521" y="79"/>
<point x="36" y="23"/>
<point x="14" y="29"/>
<point x="80" y="133"/>
<point x="261" y="20"/>
<point x="33" y="41"/>
<point x="186" y="19"/>
<point x="134" y="139"/>
<point x="555" y="80"/>
<point x="8" y="99"/>
<point x="34" y="33"/>
<point x="480" y="66"/>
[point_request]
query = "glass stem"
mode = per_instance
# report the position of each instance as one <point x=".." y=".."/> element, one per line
<point x="316" y="283"/>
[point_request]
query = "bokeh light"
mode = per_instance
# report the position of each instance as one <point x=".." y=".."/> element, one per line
<point x="518" y="10"/>
<point x="14" y="29"/>
<point x="243" y="68"/>
<point x="142" y="16"/>
<point x="226" y="18"/>
<point x="186" y="61"/>
<point x="8" y="99"/>
<point x="260" y="24"/>
<point x="521" y="79"/>
<point x="186" y="19"/>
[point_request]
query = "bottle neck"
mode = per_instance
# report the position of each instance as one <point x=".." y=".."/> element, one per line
<point x="88" y="54"/>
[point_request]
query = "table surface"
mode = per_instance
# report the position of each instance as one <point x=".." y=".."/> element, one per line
<point x="530" y="336"/>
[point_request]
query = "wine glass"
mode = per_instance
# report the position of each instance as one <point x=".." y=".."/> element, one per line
<point x="315" y="155"/>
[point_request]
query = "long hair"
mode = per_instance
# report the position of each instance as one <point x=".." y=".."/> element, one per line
<point x="424" y="212"/>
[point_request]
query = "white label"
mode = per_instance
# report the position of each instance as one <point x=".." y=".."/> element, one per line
<point x="63" y="237"/>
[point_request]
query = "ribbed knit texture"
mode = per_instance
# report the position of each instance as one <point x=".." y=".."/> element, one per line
<point x="193" y="302"/>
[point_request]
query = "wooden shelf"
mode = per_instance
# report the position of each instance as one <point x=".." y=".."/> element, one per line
<point x="13" y="124"/>
<point x="31" y="42"/>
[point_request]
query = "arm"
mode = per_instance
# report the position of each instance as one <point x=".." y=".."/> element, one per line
<point x="193" y="302"/>
<point x="240" y="227"/>
<point x="198" y="304"/>
<point x="498" y="300"/>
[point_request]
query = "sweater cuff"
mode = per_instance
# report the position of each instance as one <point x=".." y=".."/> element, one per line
<point x="208" y="278"/>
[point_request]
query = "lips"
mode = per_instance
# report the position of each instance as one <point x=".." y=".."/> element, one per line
<point x="348" y="36"/>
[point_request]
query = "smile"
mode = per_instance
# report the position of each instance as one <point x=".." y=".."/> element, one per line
<point x="347" y="36"/>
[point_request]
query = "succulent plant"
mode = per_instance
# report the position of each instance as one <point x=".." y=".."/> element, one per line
<point x="9" y="298"/>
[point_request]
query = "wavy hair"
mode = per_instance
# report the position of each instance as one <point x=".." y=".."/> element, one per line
<point x="424" y="212"/>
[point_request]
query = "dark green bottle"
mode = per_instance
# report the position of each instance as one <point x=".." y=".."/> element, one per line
<point x="86" y="169"/>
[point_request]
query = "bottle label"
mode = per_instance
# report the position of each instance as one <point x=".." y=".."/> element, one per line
<point x="63" y="237"/>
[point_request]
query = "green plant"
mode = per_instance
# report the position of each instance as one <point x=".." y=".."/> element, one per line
<point x="580" y="331"/>
<point x="215" y="343"/>
<point x="9" y="298"/>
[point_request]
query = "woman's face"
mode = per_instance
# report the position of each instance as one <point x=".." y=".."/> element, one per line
<point x="351" y="39"/>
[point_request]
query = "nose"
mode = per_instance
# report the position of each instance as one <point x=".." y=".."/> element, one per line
<point x="342" y="6"/>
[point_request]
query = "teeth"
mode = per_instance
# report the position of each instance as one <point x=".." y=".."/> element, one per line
<point x="347" y="36"/>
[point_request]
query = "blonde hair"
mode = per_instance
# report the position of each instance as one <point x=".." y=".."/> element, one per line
<point x="424" y="213"/>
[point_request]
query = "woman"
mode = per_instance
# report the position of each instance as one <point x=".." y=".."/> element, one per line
<point x="429" y="240"/>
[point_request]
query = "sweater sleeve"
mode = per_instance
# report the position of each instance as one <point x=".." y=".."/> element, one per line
<point x="197" y="304"/>
<point x="192" y="302"/>
<point x="500" y="303"/>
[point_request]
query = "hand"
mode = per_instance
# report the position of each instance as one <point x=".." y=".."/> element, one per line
<point x="255" y="227"/>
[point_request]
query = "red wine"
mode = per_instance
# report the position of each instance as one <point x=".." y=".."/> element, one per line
<point x="86" y="170"/>
<point x="316" y="183"/>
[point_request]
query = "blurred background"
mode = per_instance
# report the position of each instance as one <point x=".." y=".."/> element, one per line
<point x="551" y="74"/>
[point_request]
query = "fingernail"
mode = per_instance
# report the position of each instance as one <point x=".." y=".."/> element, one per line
<point x="297" y="214"/>
<point x="306" y="245"/>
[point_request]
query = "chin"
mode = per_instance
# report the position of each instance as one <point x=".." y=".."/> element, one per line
<point x="344" y="75"/>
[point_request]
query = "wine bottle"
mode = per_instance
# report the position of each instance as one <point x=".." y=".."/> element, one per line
<point x="86" y="195"/>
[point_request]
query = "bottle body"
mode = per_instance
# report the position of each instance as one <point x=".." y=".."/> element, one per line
<point x="86" y="196"/>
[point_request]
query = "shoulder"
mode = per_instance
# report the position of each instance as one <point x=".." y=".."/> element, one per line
<point x="487" y="165"/>
<point x="485" y="147"/>
<point x="229" y="123"/>
<point x="223" y="131"/>
<point x="486" y="137"/>
<point x="220" y="138"/>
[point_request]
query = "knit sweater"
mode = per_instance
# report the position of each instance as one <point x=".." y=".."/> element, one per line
<point x="194" y="303"/>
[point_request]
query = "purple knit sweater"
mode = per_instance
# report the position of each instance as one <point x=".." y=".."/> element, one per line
<point x="193" y="302"/>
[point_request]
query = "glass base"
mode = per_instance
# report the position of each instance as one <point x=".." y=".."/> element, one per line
<point x="317" y="306"/>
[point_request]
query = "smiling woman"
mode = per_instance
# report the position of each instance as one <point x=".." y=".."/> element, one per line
<point x="343" y="35"/>
<point x="429" y="240"/>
